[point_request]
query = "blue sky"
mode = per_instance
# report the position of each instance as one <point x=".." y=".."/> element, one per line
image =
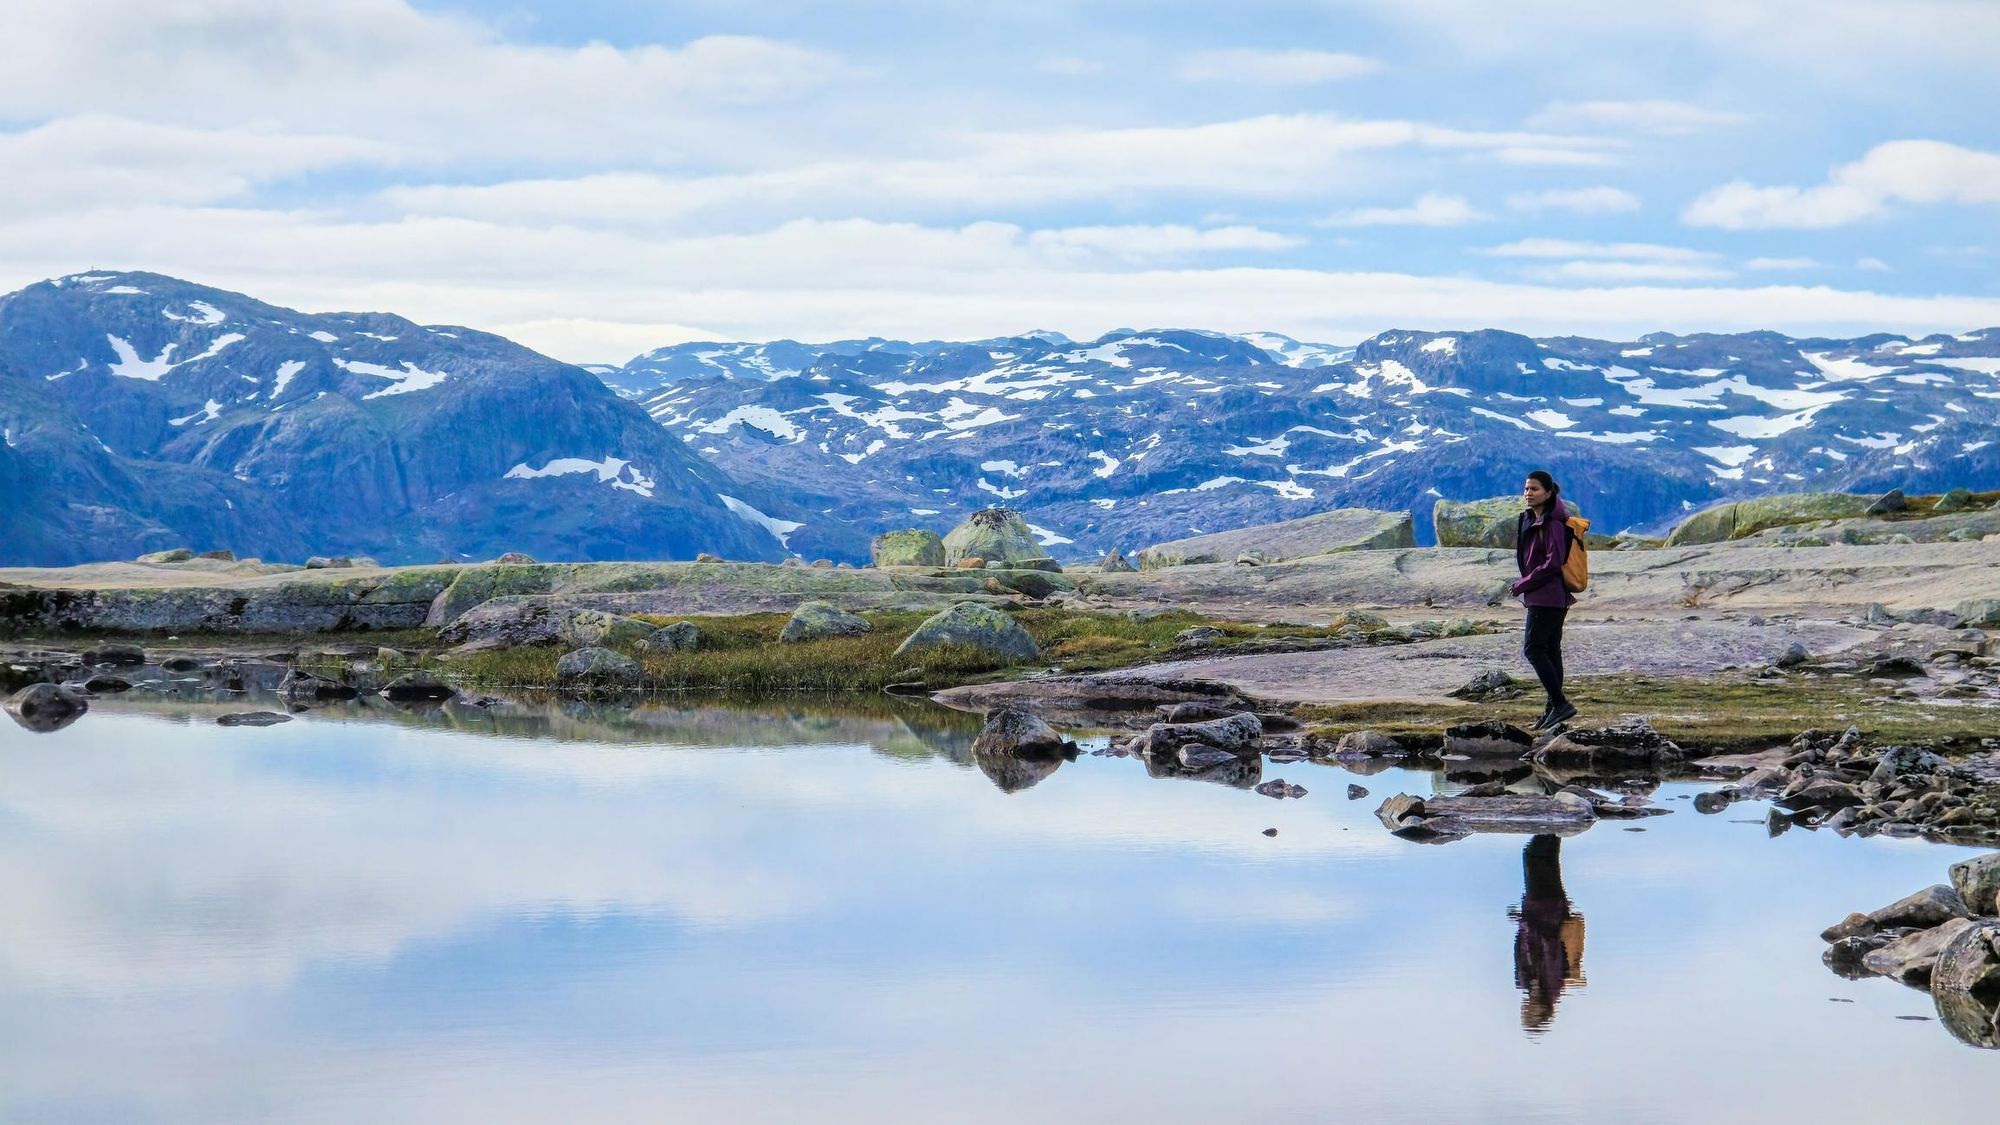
<point x="601" y="177"/>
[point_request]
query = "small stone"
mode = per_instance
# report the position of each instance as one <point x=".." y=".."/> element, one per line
<point x="1356" y="792"/>
<point x="971" y="562"/>
<point x="1270" y="832"/>
<point x="1794" y="655"/>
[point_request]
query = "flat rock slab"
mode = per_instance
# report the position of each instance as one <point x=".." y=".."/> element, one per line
<point x="1428" y="671"/>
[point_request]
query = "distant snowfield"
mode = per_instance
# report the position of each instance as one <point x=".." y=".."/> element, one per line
<point x="614" y="471"/>
<point x="781" y="530"/>
<point x="405" y="380"/>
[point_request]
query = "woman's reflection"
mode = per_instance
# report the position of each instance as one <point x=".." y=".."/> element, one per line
<point x="1548" y="946"/>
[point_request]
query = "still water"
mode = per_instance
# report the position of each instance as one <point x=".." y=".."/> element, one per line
<point x="782" y="914"/>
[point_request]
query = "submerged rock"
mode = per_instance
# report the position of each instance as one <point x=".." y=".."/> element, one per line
<point x="115" y="655"/>
<point x="417" y="686"/>
<point x="45" y="707"/>
<point x="251" y="719"/>
<point x="977" y="626"/>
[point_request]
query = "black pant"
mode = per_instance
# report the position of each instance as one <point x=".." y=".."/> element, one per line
<point x="1543" y="646"/>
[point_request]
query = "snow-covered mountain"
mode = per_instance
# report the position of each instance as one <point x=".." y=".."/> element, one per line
<point x="1139" y="437"/>
<point x="139" y="412"/>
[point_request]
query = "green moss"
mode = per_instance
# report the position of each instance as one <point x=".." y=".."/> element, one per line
<point x="1719" y="713"/>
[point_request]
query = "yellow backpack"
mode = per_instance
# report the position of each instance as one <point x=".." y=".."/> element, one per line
<point x="1576" y="565"/>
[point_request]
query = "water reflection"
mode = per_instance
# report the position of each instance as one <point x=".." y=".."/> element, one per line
<point x="1548" y="943"/>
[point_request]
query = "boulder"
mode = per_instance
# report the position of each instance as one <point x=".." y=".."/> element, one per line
<point x="594" y="628"/>
<point x="1044" y="564"/>
<point x="329" y="562"/>
<point x="977" y="626"/>
<point x="1491" y="738"/>
<point x="1628" y="744"/>
<point x="1492" y="684"/>
<point x="1890" y="501"/>
<point x="971" y="562"/>
<point x="516" y="558"/>
<point x="106" y="685"/>
<point x="304" y="687"/>
<point x="412" y="687"/>
<point x="1912" y="958"/>
<point x="1932" y="906"/>
<point x="705" y="557"/>
<point x="818" y="620"/>
<point x="1200" y="636"/>
<point x="1957" y="500"/>
<point x="1340" y="530"/>
<point x="993" y="534"/>
<point x="1240" y="734"/>
<point x="1977" y="881"/>
<point x="114" y="655"/>
<point x="1794" y="656"/>
<point x="1114" y="563"/>
<point x="45" y="707"/>
<point x="1479" y="523"/>
<point x="1739" y="518"/>
<point x="512" y="622"/>
<point x="1965" y="985"/>
<point x="911" y="546"/>
<point x="597" y="669"/>
<point x="251" y="719"/>
<point x="681" y="636"/>
<point x="174" y="555"/>
<point x="1013" y="731"/>
<point x="1979" y="613"/>
<point x="1356" y="744"/>
<point x="822" y="564"/>
<point x="476" y="585"/>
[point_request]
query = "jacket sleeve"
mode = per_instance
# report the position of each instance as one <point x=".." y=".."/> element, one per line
<point x="1550" y="568"/>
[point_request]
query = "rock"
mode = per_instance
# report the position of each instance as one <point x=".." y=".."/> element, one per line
<point x="794" y="562"/>
<point x="705" y="557"/>
<point x="1932" y="906"/>
<point x="1794" y="656"/>
<point x="1357" y="619"/>
<point x="1739" y="518"/>
<point x="1200" y="636"/>
<point x="1014" y="731"/>
<point x="1491" y="684"/>
<point x="1481" y="523"/>
<point x="1355" y="792"/>
<point x="45" y="707"/>
<point x="971" y="562"/>
<point x="822" y="564"/>
<point x="161" y="558"/>
<point x="1031" y="583"/>
<point x="1977" y="881"/>
<point x="1195" y="711"/>
<point x="1901" y="667"/>
<point x="681" y="636"/>
<point x="1899" y="537"/>
<point x="1979" y="613"/>
<point x="416" y="686"/>
<point x="1632" y="743"/>
<point x="504" y="623"/>
<point x="1819" y="793"/>
<point x="1240" y="735"/>
<point x="1367" y="744"/>
<point x="251" y="719"/>
<point x="1853" y="926"/>
<point x="1562" y="813"/>
<point x="594" y="628"/>
<point x="475" y="585"/>
<point x="977" y="626"/>
<point x="911" y="546"/>
<point x="1488" y="739"/>
<point x="1957" y="500"/>
<point x="516" y="558"/>
<point x="1965" y="985"/>
<point x="1279" y="788"/>
<point x="1252" y="557"/>
<point x="114" y="655"/>
<point x="329" y="562"/>
<point x="992" y="534"/>
<point x="1325" y="533"/>
<point x="1114" y="563"/>
<point x="1912" y="958"/>
<point x="106" y="685"/>
<point x="180" y="664"/>
<point x="597" y="669"/>
<point x="304" y="687"/>
<point x="386" y="657"/>
<point x="1890" y="501"/>
<point x="818" y="620"/>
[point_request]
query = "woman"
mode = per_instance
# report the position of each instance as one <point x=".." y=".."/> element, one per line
<point x="1541" y="546"/>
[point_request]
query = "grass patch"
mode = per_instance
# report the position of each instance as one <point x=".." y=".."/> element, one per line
<point x="1725" y="713"/>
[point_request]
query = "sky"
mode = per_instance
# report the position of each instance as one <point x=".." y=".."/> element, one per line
<point x="601" y="177"/>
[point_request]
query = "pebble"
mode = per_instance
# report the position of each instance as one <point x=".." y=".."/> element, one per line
<point x="1270" y="832"/>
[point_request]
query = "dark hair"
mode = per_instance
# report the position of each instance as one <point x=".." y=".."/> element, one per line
<point x="1542" y="478"/>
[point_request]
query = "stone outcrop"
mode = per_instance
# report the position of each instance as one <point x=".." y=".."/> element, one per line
<point x="1340" y="530"/>
<point x="173" y="555"/>
<point x="908" y="547"/>
<point x="594" y="628"/>
<point x="976" y="626"/>
<point x="1739" y="518"/>
<point x="994" y="535"/>
<point x="818" y="620"/>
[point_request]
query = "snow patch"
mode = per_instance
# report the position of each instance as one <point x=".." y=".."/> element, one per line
<point x="204" y="313"/>
<point x="1049" y="538"/>
<point x="410" y="378"/>
<point x="614" y="471"/>
<point x="1446" y="344"/>
<point x="325" y="337"/>
<point x="781" y="530"/>
<point x="760" y="417"/>
<point x="208" y="413"/>
<point x="286" y="372"/>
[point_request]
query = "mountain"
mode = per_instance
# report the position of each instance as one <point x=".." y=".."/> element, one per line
<point x="1140" y="437"/>
<point x="140" y="412"/>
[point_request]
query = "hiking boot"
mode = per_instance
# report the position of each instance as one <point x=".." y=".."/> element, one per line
<point x="1563" y="713"/>
<point x="1543" y="720"/>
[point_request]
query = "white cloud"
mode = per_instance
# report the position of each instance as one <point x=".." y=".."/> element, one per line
<point x="1627" y="271"/>
<point x="1915" y="172"/>
<point x="1429" y="210"/>
<point x="1294" y="67"/>
<point x="1782" y="263"/>
<point x="386" y="69"/>
<point x="1653" y="115"/>
<point x="1568" y="248"/>
<point x="1140" y="242"/>
<point x="1580" y="201"/>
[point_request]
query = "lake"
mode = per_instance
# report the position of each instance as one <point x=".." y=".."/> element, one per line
<point x="823" y="912"/>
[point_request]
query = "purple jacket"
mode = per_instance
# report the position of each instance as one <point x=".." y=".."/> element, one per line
<point x="1540" y="549"/>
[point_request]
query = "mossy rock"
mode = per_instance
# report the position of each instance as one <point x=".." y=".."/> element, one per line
<point x="597" y="669"/>
<point x="912" y="546"/>
<point x="1739" y="518"/>
<point x="818" y="620"/>
<point x="594" y="628"/>
<point x="1957" y="500"/>
<point x="474" y="585"/>
<point x="995" y="535"/>
<point x="975" y="626"/>
<point x="1322" y="533"/>
<point x="1490" y="523"/>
